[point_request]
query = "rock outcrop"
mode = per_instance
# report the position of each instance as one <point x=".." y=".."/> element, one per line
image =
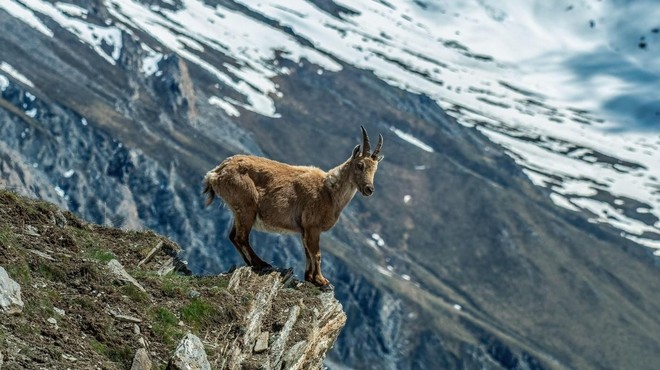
<point x="10" y="294"/>
<point x="295" y="341"/>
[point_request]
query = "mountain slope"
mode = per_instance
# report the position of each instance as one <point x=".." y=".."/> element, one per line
<point x="457" y="261"/>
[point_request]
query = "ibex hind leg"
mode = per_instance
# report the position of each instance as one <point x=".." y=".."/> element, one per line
<point x="240" y="237"/>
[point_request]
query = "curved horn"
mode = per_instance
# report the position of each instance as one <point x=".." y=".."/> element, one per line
<point x="378" y="146"/>
<point x="366" y="145"/>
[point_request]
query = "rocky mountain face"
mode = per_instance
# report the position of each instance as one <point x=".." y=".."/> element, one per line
<point x="78" y="295"/>
<point x="115" y="110"/>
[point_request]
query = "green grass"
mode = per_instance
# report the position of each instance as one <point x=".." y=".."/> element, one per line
<point x="175" y="285"/>
<point x="20" y="271"/>
<point x="199" y="313"/>
<point x="51" y="272"/>
<point x="165" y="325"/>
<point x="7" y="236"/>
<point x="92" y="244"/>
<point x="135" y="294"/>
<point x="102" y="255"/>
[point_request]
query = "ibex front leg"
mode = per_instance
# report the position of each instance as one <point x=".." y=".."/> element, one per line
<point x="311" y="238"/>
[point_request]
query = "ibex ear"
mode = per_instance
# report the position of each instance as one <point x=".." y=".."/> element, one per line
<point x="356" y="151"/>
<point x="380" y="158"/>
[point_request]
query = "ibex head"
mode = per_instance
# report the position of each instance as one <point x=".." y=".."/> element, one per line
<point x="364" y="164"/>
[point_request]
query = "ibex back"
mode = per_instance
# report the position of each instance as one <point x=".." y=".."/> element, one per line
<point x="278" y="197"/>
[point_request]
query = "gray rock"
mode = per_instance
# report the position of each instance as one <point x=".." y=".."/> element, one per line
<point x="118" y="270"/>
<point x="51" y="320"/>
<point x="189" y="355"/>
<point x="136" y="329"/>
<point x="279" y="345"/>
<point x="141" y="360"/>
<point x="10" y="294"/>
<point x="121" y="317"/>
<point x="60" y="219"/>
<point x="262" y="342"/>
<point x="31" y="231"/>
<point x="69" y="357"/>
<point x="193" y="294"/>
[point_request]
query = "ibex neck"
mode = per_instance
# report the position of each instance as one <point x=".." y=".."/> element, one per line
<point x="338" y="181"/>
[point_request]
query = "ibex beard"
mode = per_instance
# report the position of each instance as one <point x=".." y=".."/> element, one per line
<point x="277" y="197"/>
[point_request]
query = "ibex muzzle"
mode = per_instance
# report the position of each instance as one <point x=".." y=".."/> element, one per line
<point x="278" y="197"/>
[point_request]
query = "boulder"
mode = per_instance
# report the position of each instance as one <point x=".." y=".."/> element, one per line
<point x="10" y="294"/>
<point x="141" y="360"/>
<point x="189" y="355"/>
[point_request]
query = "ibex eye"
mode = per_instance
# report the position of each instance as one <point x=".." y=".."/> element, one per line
<point x="360" y="165"/>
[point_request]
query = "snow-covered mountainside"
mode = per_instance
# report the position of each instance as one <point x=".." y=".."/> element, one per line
<point x="569" y="88"/>
<point x="521" y="144"/>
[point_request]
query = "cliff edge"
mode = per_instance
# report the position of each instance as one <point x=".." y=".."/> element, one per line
<point x="78" y="295"/>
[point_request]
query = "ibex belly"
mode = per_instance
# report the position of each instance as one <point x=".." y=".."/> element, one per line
<point x="279" y="228"/>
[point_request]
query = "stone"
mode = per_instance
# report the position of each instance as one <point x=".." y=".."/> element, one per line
<point x="10" y="294"/>
<point x="51" y="320"/>
<point x="141" y="360"/>
<point x="193" y="294"/>
<point x="58" y="219"/>
<point x="126" y="318"/>
<point x="151" y="254"/>
<point x="189" y="355"/>
<point x="41" y="254"/>
<point x="69" y="357"/>
<point x="136" y="329"/>
<point x="262" y="342"/>
<point x="59" y="311"/>
<point x="31" y="231"/>
<point x="118" y="270"/>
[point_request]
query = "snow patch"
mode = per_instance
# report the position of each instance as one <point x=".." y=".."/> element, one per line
<point x="406" y="198"/>
<point x="227" y="107"/>
<point x="72" y="10"/>
<point x="6" y="67"/>
<point x="4" y="83"/>
<point x="26" y="15"/>
<point x="59" y="192"/>
<point x="378" y="239"/>
<point x="68" y="174"/>
<point x="457" y="307"/>
<point x="412" y="140"/>
<point x="88" y="33"/>
<point x="150" y="62"/>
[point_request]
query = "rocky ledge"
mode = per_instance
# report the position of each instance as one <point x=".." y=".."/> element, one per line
<point x="77" y="295"/>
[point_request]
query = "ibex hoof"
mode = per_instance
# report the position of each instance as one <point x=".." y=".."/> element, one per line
<point x="263" y="268"/>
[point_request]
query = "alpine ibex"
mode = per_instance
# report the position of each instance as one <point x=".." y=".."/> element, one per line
<point x="278" y="197"/>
